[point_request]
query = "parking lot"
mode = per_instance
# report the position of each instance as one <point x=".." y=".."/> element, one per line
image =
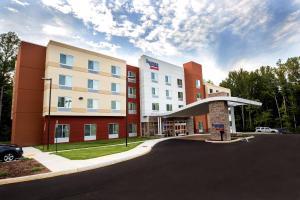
<point x="267" y="167"/>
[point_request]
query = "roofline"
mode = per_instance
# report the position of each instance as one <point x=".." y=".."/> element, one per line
<point x="143" y="55"/>
<point x="56" y="43"/>
<point x="205" y="83"/>
<point x="218" y="98"/>
<point x="192" y="62"/>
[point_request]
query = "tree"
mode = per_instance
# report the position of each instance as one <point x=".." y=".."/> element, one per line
<point x="9" y="43"/>
<point x="278" y="88"/>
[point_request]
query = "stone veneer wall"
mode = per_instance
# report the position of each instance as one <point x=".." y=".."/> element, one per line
<point x="218" y="113"/>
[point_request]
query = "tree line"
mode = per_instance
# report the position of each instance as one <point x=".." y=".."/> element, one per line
<point x="9" y="43"/>
<point x="278" y="88"/>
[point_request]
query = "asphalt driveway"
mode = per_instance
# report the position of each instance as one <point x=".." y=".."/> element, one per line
<point x="267" y="167"/>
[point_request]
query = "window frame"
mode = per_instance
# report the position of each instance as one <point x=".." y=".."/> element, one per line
<point x="64" y="108"/>
<point x="90" y="136"/>
<point x="117" y="105"/>
<point x="94" y="83"/>
<point x="155" y="104"/>
<point x="155" y="80"/>
<point x="65" y="86"/>
<point x="62" y="139"/>
<point x="113" y="135"/>
<point x="66" y="65"/>
<point x="117" y="86"/>
<point x="117" y="70"/>
<point x="94" y="70"/>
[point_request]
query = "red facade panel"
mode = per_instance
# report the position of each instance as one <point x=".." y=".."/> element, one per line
<point x="135" y="118"/>
<point x="193" y="72"/>
<point x="77" y="126"/>
<point x="27" y="120"/>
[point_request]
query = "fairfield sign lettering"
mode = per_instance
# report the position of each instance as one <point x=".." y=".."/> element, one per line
<point x="152" y="65"/>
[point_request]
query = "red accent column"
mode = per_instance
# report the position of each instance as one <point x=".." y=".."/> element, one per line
<point x="135" y="118"/>
<point x="193" y="72"/>
<point x="27" y="108"/>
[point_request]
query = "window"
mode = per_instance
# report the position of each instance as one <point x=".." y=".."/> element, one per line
<point x="180" y="106"/>
<point x="217" y="90"/>
<point x="131" y="92"/>
<point x="65" y="82"/>
<point x="132" y="130"/>
<point x="113" y="130"/>
<point x="198" y="97"/>
<point x="90" y="131"/>
<point x="115" y="105"/>
<point x="197" y="83"/>
<point x="66" y="61"/>
<point x="169" y="107"/>
<point x="115" y="88"/>
<point x="168" y="80"/>
<point x="155" y="106"/>
<point x="180" y="96"/>
<point x="154" y="77"/>
<point x="62" y="132"/>
<point x="200" y="127"/>
<point x="93" y="66"/>
<point x="131" y="77"/>
<point x="131" y="108"/>
<point x="64" y="104"/>
<point x="92" y="104"/>
<point x="211" y="91"/>
<point x="93" y="85"/>
<point x="179" y="83"/>
<point x="155" y="92"/>
<point x="115" y="71"/>
<point x="168" y="94"/>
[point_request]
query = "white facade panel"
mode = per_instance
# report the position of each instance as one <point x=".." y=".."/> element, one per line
<point x="147" y="65"/>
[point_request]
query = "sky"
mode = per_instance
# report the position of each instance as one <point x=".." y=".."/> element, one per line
<point x="222" y="35"/>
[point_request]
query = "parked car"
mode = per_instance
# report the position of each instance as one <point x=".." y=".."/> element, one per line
<point x="283" y="131"/>
<point x="10" y="152"/>
<point x="266" y="130"/>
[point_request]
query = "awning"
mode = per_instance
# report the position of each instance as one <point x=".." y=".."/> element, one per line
<point x="201" y="107"/>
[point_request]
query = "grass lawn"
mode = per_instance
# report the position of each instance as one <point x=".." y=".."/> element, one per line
<point x="82" y="154"/>
<point x="98" y="143"/>
<point x="4" y="142"/>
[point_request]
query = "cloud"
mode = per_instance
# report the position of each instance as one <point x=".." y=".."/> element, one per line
<point x="22" y="3"/>
<point x="289" y="31"/>
<point x="182" y="25"/>
<point x="12" y="9"/>
<point x="54" y="30"/>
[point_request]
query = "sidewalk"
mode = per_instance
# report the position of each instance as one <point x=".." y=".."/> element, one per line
<point x="60" y="166"/>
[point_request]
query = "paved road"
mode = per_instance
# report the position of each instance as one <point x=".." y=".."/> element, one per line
<point x="268" y="167"/>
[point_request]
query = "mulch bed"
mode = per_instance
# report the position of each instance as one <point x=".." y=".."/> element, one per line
<point x="22" y="167"/>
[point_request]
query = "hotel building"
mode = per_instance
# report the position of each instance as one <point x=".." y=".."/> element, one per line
<point x="94" y="96"/>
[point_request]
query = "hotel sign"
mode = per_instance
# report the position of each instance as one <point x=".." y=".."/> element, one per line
<point x="152" y="65"/>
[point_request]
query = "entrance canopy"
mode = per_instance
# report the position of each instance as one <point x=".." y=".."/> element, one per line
<point x="202" y="106"/>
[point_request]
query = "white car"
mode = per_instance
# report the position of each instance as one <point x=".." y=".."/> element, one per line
<point x="266" y="130"/>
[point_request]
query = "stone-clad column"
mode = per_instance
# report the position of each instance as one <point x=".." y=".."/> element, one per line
<point x="218" y="114"/>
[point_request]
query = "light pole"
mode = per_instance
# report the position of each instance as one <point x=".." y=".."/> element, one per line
<point x="49" y="109"/>
<point x="126" y="129"/>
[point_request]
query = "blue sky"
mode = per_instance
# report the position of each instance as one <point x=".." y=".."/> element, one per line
<point x="221" y="35"/>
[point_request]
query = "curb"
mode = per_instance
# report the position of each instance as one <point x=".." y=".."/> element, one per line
<point x="230" y="141"/>
<point x="146" y="150"/>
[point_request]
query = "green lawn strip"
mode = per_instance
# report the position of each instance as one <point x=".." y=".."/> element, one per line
<point x="96" y="152"/>
<point x="4" y="142"/>
<point x="102" y="146"/>
<point x="79" y="145"/>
